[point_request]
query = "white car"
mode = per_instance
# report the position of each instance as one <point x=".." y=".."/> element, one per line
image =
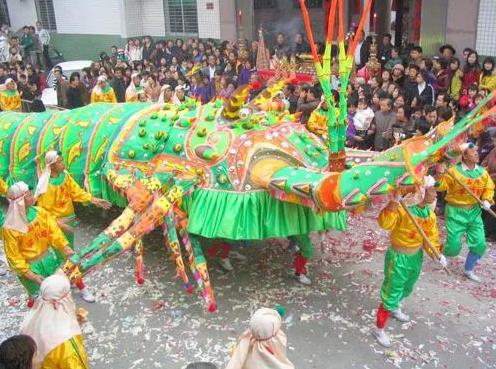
<point x="49" y="95"/>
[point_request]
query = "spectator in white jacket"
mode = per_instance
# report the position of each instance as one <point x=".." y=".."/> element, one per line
<point x="134" y="50"/>
<point x="44" y="37"/>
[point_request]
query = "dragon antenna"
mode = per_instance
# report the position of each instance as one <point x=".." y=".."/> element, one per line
<point x="336" y="123"/>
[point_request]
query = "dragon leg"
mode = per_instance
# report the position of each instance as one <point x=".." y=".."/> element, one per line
<point x="139" y="249"/>
<point x="201" y="266"/>
<point x="173" y="242"/>
<point x="146" y="223"/>
<point x="189" y="251"/>
<point x="139" y="198"/>
<point x="117" y="227"/>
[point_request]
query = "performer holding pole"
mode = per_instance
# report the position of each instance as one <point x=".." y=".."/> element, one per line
<point x="30" y="237"/>
<point x="404" y="257"/>
<point x="55" y="193"/>
<point x="468" y="188"/>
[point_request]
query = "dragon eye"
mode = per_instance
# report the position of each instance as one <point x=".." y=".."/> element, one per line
<point x="245" y="113"/>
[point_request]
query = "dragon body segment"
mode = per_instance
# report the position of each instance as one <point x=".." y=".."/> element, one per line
<point x="197" y="172"/>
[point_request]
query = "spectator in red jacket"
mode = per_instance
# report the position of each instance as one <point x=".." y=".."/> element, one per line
<point x="440" y="68"/>
<point x="471" y="71"/>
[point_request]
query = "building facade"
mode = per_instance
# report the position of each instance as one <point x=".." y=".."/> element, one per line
<point x="82" y="29"/>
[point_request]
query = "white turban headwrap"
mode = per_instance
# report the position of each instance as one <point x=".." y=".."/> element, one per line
<point x="464" y="146"/>
<point x="16" y="214"/>
<point x="263" y="345"/>
<point x="52" y="320"/>
<point x="51" y="157"/>
<point x="161" y="98"/>
<point x="417" y="197"/>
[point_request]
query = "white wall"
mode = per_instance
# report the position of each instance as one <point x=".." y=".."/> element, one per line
<point x="208" y="19"/>
<point x="461" y="24"/>
<point x="88" y="16"/>
<point x="227" y="17"/>
<point x="153" y="17"/>
<point x="131" y="17"/>
<point x="21" y="12"/>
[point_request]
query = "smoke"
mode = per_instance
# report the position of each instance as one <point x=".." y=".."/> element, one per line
<point x="289" y="27"/>
<point x="287" y="20"/>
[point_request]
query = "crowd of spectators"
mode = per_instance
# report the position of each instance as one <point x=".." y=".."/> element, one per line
<point x="394" y="93"/>
<point x="21" y="61"/>
<point x="407" y="93"/>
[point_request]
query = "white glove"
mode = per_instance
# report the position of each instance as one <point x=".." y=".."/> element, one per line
<point x="443" y="261"/>
<point x="429" y="181"/>
<point x="486" y="205"/>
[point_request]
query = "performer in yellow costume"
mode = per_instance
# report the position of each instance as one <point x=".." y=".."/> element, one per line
<point x="53" y="325"/>
<point x="134" y="88"/>
<point x="463" y="213"/>
<point x="56" y="192"/>
<point x="403" y="262"/>
<point x="103" y="92"/>
<point x="30" y="237"/>
<point x="10" y="100"/>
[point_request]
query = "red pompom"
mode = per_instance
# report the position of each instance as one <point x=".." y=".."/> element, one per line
<point x="30" y="303"/>
<point x="140" y="280"/>
<point x="189" y="290"/>
<point x="212" y="308"/>
<point x="256" y="85"/>
<point x="369" y="245"/>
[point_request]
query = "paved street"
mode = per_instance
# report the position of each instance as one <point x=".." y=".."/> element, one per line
<point x="158" y="325"/>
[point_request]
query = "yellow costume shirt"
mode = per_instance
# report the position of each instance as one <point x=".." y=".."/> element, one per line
<point x="69" y="355"/>
<point x="43" y="232"/>
<point x="317" y="122"/>
<point x="131" y="98"/>
<point x="61" y="193"/>
<point x="488" y="82"/>
<point x="403" y="232"/>
<point x="10" y="100"/>
<point x="3" y="187"/>
<point x="477" y="180"/>
<point x="106" y="95"/>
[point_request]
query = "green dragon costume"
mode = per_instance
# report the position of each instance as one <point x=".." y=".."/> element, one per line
<point x="231" y="169"/>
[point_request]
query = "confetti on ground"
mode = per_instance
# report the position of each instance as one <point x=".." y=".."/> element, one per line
<point x="158" y="325"/>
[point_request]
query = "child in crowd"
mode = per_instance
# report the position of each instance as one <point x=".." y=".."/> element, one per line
<point x="467" y="101"/>
<point x="362" y="120"/>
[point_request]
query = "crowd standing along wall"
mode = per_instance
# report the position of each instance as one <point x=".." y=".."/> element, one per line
<point x="82" y="29"/>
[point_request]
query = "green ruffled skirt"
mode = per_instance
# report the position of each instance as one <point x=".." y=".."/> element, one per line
<point x="253" y="216"/>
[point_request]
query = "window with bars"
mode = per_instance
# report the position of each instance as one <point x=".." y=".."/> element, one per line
<point x="46" y="14"/>
<point x="4" y="13"/>
<point x="311" y="4"/>
<point x="486" y="28"/>
<point x="265" y="4"/>
<point x="182" y="16"/>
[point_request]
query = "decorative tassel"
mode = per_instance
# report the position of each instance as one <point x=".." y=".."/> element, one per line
<point x="299" y="264"/>
<point x="382" y="317"/>
<point x="30" y="302"/>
